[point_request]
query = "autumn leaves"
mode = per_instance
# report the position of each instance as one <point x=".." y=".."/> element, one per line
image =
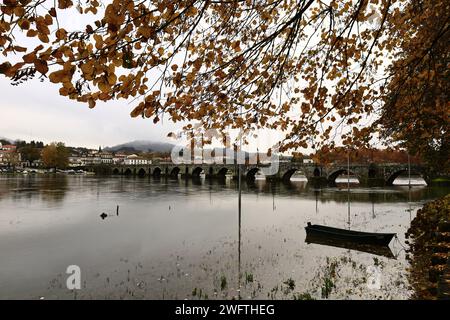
<point x="314" y="70"/>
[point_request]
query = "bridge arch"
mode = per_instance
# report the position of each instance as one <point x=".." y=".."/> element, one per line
<point x="222" y="173"/>
<point x="317" y="173"/>
<point x="197" y="172"/>
<point x="141" y="172"/>
<point x="393" y="176"/>
<point x="116" y="171"/>
<point x="157" y="172"/>
<point x="372" y="173"/>
<point x="335" y="174"/>
<point x="289" y="173"/>
<point x="175" y="172"/>
<point x="128" y="172"/>
<point x="251" y="174"/>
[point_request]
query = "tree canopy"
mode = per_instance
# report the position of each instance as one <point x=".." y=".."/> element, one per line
<point x="55" y="155"/>
<point x="30" y="153"/>
<point x="340" y="155"/>
<point x="416" y="105"/>
<point x="318" y="70"/>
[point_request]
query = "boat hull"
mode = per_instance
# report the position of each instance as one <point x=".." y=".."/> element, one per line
<point x="380" y="239"/>
<point x="377" y="250"/>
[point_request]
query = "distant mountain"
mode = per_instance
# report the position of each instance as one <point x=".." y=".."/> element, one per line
<point x="142" y="146"/>
<point x="150" y="146"/>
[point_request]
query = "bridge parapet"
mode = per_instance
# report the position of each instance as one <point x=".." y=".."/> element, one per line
<point x="368" y="174"/>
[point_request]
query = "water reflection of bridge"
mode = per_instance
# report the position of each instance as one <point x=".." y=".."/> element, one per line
<point x="367" y="174"/>
<point x="308" y="191"/>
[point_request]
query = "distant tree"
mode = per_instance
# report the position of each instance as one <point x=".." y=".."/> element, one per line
<point x="49" y="156"/>
<point x="36" y="144"/>
<point x="20" y="143"/>
<point x="55" y="155"/>
<point x="30" y="153"/>
<point x="4" y="142"/>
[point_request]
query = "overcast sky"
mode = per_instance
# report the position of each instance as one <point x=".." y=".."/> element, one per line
<point x="35" y="111"/>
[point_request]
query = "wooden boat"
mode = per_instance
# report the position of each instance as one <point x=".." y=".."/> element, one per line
<point x="377" y="250"/>
<point x="380" y="239"/>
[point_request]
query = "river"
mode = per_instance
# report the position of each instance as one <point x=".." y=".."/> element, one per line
<point x="183" y="239"/>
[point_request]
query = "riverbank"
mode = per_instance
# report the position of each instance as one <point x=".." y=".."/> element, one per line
<point x="430" y="250"/>
<point x="45" y="172"/>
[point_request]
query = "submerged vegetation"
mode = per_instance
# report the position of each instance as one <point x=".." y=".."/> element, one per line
<point x="223" y="283"/>
<point x="290" y="284"/>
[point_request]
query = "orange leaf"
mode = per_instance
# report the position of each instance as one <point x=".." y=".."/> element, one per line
<point x="41" y="66"/>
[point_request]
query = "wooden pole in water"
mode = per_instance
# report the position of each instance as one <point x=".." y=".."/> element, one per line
<point x="348" y="186"/>
<point x="409" y="187"/>
<point x="240" y="216"/>
<point x="317" y="201"/>
<point x="240" y="175"/>
<point x="373" y="209"/>
<point x="117" y="210"/>
<point x="273" y="201"/>
<point x="409" y="170"/>
<point x="239" y="234"/>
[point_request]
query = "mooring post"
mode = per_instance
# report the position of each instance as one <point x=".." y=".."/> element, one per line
<point x="117" y="211"/>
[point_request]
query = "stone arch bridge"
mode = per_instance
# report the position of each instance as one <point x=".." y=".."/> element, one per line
<point x="367" y="174"/>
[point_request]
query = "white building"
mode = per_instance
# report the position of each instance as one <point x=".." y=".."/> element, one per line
<point x="106" y="157"/>
<point x="75" y="161"/>
<point x="84" y="160"/>
<point x="135" y="160"/>
<point x="119" y="158"/>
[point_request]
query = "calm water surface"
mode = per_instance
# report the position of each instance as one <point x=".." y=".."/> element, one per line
<point x="177" y="239"/>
